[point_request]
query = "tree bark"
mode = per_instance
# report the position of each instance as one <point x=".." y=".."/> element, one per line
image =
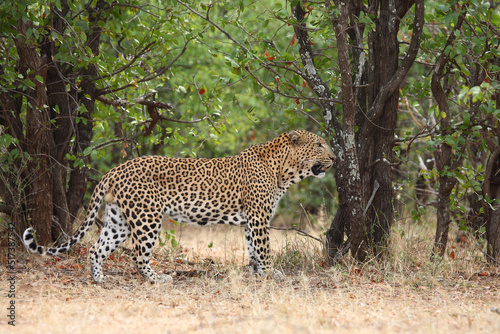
<point x="385" y="50"/>
<point x="444" y="155"/>
<point x="378" y="110"/>
<point x="38" y="134"/>
<point x="349" y="182"/>
<point x="491" y="189"/>
<point x="51" y="113"/>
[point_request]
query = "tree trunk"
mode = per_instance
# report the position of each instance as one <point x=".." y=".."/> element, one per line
<point x="51" y="130"/>
<point x="349" y="182"/>
<point x="445" y="160"/>
<point x="491" y="189"/>
<point x="339" y="227"/>
<point x="384" y="49"/>
<point x="493" y="231"/>
<point x="446" y="185"/>
<point x="38" y="134"/>
<point x="377" y="118"/>
<point x="368" y="170"/>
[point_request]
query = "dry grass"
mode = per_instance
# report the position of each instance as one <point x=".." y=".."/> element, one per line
<point x="214" y="293"/>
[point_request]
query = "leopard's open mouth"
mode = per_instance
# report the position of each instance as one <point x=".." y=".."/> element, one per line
<point x="318" y="169"/>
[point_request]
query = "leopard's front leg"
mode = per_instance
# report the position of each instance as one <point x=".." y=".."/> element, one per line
<point x="259" y="203"/>
<point x="259" y="250"/>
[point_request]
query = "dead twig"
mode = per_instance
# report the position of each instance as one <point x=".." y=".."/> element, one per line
<point x="301" y="232"/>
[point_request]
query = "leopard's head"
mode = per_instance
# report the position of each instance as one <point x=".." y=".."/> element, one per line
<point x="310" y="155"/>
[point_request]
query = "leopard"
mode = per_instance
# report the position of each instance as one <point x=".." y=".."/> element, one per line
<point x="239" y="190"/>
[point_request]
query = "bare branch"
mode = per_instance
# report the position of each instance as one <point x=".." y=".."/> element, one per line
<point x="296" y="230"/>
<point x="142" y="100"/>
<point x="116" y="103"/>
<point x="151" y="107"/>
<point x="155" y="104"/>
<point x="112" y="141"/>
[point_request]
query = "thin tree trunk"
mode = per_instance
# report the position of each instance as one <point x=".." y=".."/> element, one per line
<point x="446" y="185"/>
<point x="493" y="231"/>
<point x="444" y="155"/>
<point x="491" y="189"/>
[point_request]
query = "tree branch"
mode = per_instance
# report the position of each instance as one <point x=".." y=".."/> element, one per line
<point x="444" y="157"/>
<point x="311" y="75"/>
<point x="142" y="100"/>
<point x="394" y="83"/>
<point x="159" y="72"/>
<point x="209" y="20"/>
<point x="151" y="107"/>
<point x="340" y="25"/>
<point x="129" y="64"/>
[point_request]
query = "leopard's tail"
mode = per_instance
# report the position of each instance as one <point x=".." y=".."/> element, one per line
<point x="95" y="203"/>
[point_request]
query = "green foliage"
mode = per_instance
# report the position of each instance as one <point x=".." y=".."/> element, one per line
<point x="470" y="81"/>
<point x="247" y="88"/>
<point x="169" y="238"/>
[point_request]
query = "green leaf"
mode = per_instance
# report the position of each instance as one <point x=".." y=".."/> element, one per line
<point x="450" y="141"/>
<point x="466" y="122"/>
<point x="87" y="151"/>
<point x="29" y="83"/>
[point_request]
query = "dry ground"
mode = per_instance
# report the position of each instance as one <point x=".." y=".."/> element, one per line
<point x="213" y="292"/>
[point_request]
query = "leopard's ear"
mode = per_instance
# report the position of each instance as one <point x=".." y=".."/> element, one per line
<point x="294" y="136"/>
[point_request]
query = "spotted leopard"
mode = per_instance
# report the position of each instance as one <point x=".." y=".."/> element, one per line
<point x="239" y="190"/>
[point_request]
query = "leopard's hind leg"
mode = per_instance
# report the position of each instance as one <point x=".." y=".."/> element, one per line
<point x="113" y="234"/>
<point x="144" y="236"/>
